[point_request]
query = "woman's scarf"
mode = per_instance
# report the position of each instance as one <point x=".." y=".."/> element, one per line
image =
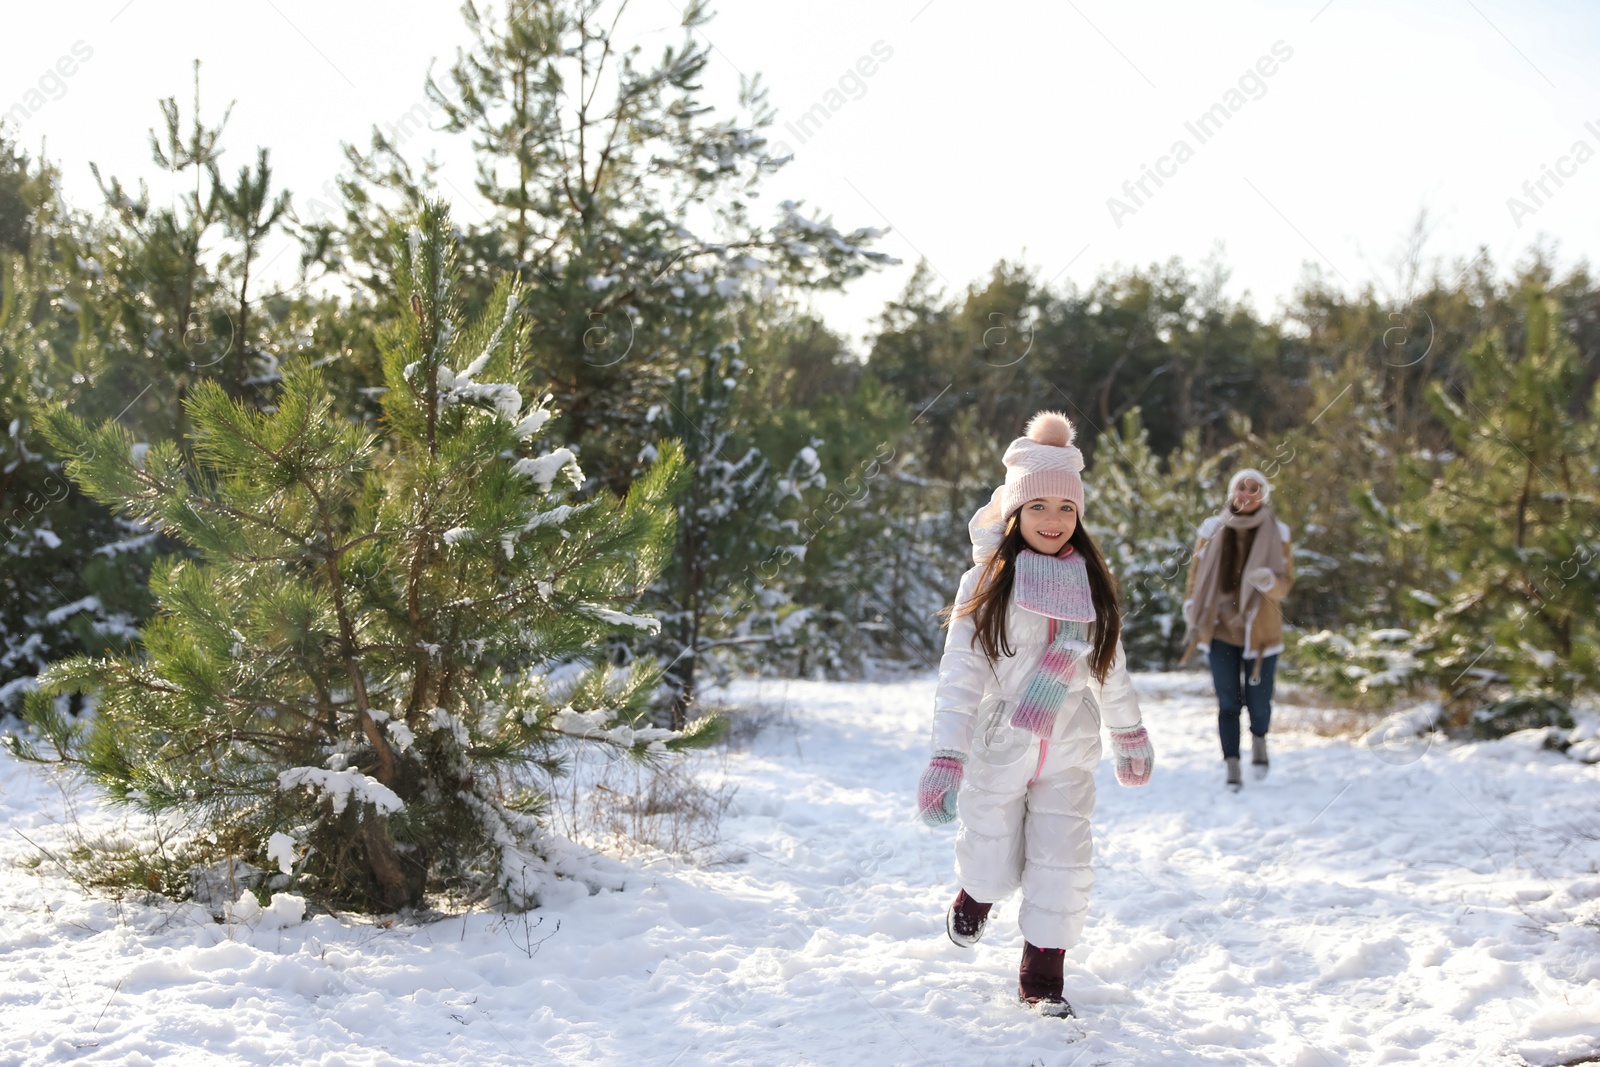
<point x="1056" y="587"/>
<point x="1201" y="614"/>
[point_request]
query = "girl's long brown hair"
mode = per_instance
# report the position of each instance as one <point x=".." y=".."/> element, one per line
<point x="993" y="596"/>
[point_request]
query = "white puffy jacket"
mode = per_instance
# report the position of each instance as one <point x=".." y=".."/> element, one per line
<point x="967" y="680"/>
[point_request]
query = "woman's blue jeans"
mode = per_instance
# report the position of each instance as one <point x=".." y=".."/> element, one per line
<point x="1230" y="673"/>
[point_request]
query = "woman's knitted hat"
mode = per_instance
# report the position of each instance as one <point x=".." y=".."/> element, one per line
<point x="1251" y="472"/>
<point x="1043" y="463"/>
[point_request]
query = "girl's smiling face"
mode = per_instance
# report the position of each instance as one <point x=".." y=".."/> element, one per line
<point x="1047" y="523"/>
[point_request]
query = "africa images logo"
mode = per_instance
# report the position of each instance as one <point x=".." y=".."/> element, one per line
<point x="52" y="85"/>
<point x="1252" y="85"/>
<point x="1538" y="191"/>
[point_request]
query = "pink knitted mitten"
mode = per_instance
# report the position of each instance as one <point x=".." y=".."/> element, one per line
<point x="1134" y="754"/>
<point x="936" y="792"/>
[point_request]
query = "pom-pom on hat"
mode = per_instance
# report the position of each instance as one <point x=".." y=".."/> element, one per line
<point x="1043" y="462"/>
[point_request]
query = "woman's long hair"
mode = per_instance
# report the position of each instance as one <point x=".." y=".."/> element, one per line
<point x="993" y="596"/>
<point x="1230" y="565"/>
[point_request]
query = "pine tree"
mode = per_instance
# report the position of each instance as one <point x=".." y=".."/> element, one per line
<point x="161" y="309"/>
<point x="882" y="558"/>
<point x="388" y="635"/>
<point x="1511" y="525"/>
<point x="728" y="520"/>
<point x="867" y="568"/>
<point x="1146" y="514"/>
<point x="610" y="182"/>
<point x="249" y="213"/>
<point x="1500" y="622"/>
<point x="71" y="574"/>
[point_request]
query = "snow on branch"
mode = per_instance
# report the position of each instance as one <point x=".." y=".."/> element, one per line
<point x="543" y="469"/>
<point x="597" y="726"/>
<point x="340" y="786"/>
<point x="648" y="623"/>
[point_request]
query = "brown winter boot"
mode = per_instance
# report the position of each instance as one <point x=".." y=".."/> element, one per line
<point x="1039" y="980"/>
<point x="966" y="919"/>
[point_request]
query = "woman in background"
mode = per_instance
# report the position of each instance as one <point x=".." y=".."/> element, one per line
<point x="1239" y="574"/>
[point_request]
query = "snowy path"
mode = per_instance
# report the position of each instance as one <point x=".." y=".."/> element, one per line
<point x="1431" y="905"/>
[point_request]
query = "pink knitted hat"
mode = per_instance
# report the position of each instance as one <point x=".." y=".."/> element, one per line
<point x="1043" y="463"/>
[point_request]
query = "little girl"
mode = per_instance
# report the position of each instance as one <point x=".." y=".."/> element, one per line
<point x="1033" y="660"/>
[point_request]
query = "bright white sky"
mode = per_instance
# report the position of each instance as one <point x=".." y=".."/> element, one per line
<point x="982" y="136"/>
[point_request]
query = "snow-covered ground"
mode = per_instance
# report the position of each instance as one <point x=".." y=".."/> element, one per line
<point x="1435" y="904"/>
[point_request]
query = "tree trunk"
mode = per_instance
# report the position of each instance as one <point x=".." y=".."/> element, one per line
<point x="1522" y="503"/>
<point x="398" y="891"/>
<point x="684" y="700"/>
<point x="244" y="326"/>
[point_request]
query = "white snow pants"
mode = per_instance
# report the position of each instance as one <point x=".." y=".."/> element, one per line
<point x="1024" y="808"/>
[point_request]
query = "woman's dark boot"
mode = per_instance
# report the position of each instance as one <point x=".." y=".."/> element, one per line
<point x="1039" y="980"/>
<point x="966" y="919"/>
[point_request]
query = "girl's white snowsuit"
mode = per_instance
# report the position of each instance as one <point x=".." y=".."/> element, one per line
<point x="1025" y="802"/>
